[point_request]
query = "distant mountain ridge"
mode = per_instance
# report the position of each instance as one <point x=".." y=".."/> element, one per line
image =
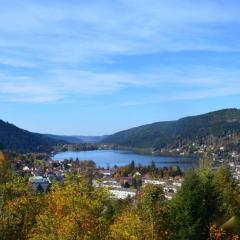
<point x="203" y="128"/>
<point x="215" y="128"/>
<point x="17" y="139"/>
<point x="75" y="139"/>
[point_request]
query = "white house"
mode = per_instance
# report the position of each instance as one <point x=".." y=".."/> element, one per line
<point x="154" y="182"/>
<point x="122" y="193"/>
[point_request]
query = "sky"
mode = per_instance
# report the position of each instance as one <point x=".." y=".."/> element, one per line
<point x="94" y="67"/>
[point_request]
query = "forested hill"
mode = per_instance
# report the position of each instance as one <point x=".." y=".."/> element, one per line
<point x="17" y="139"/>
<point x="219" y="127"/>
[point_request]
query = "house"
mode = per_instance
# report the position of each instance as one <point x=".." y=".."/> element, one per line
<point x="122" y="193"/>
<point x="126" y="180"/>
<point x="26" y="169"/>
<point x="177" y="184"/>
<point x="169" y="189"/>
<point x="39" y="183"/>
<point x="107" y="172"/>
<point x="111" y="183"/>
<point x="154" y="182"/>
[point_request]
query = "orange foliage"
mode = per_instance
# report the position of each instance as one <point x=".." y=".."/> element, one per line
<point x="219" y="234"/>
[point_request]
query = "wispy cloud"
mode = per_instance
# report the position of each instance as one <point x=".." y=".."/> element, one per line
<point x="61" y="84"/>
<point x="54" y="49"/>
<point x="165" y="84"/>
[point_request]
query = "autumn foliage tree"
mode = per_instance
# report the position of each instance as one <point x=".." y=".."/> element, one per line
<point x="129" y="226"/>
<point x="73" y="210"/>
<point x="18" y="205"/>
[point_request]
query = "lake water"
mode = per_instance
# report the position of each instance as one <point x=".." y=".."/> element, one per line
<point x="104" y="158"/>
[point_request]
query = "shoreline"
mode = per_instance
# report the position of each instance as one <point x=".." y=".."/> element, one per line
<point x="140" y="152"/>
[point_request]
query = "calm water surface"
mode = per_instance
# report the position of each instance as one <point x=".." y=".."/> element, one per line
<point x="104" y="158"/>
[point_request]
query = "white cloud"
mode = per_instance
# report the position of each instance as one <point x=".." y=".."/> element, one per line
<point x="88" y="83"/>
<point x="165" y="85"/>
<point x="61" y="84"/>
<point x="61" y="42"/>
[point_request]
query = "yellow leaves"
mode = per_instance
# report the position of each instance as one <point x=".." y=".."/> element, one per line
<point x="72" y="211"/>
<point x="128" y="226"/>
<point x="5" y="173"/>
<point x="2" y="163"/>
<point x="2" y="158"/>
<point x="18" y="209"/>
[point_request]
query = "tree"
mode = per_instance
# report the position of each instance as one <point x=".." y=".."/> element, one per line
<point x="4" y="169"/>
<point x="228" y="193"/>
<point x="129" y="226"/>
<point x="18" y="209"/>
<point x="154" y="211"/>
<point x="73" y="210"/>
<point x="194" y="207"/>
<point x="132" y="167"/>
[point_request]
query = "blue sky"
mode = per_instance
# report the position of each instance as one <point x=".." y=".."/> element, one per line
<point x="97" y="67"/>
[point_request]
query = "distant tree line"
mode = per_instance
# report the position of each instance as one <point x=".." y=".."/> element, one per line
<point x="152" y="170"/>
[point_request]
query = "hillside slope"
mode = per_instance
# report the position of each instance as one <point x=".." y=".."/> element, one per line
<point x="213" y="126"/>
<point x="17" y="139"/>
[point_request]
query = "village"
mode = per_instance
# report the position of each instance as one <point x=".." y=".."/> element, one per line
<point x="121" y="182"/>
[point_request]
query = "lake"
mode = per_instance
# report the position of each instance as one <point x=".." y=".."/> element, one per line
<point x="104" y="158"/>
